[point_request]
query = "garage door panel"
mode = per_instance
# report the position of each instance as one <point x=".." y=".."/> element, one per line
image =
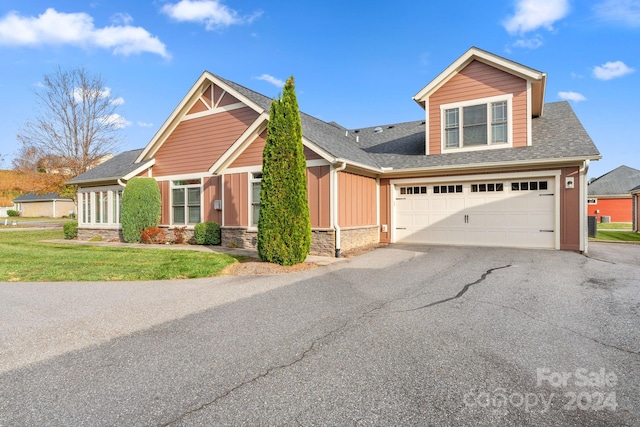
<point x="506" y="217"/>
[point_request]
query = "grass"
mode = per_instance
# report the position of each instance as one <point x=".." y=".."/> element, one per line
<point x="23" y="258"/>
<point x="618" y="236"/>
<point x="614" y="226"/>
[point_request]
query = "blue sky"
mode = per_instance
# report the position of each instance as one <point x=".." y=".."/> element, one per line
<point x="358" y="63"/>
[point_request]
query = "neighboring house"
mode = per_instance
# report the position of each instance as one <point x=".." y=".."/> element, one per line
<point x="609" y="195"/>
<point x="491" y="165"/>
<point x="47" y="205"/>
<point x="635" y="194"/>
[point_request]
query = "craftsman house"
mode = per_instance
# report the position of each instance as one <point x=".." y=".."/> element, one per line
<point x="491" y="165"/>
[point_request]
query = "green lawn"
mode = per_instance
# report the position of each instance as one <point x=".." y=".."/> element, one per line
<point x="614" y="225"/>
<point x="23" y="258"/>
<point x="618" y="236"/>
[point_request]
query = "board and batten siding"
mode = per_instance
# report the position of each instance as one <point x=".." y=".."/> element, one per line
<point x="196" y="144"/>
<point x="211" y="191"/>
<point x="319" y="196"/>
<point x="479" y="80"/>
<point x="236" y="199"/>
<point x="357" y="201"/>
<point x="165" y="197"/>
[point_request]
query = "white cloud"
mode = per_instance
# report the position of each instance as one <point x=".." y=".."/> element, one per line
<point x="77" y="29"/>
<point x="531" y="15"/>
<point x="117" y="101"/>
<point x="572" y="96"/>
<point x="529" y="43"/>
<point x="145" y="124"/>
<point x="212" y="13"/>
<point x="611" y="70"/>
<point x="78" y="95"/>
<point x="115" y="120"/>
<point x="626" y="12"/>
<point x="270" y="79"/>
<point x="122" y="18"/>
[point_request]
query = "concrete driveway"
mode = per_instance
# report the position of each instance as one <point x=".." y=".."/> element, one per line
<point x="404" y="335"/>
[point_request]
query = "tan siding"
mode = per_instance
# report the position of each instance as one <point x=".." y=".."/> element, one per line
<point x="212" y="191"/>
<point x="385" y="209"/>
<point x="319" y="196"/>
<point x="236" y="199"/>
<point x="195" y="145"/>
<point x="357" y="200"/>
<point x="478" y="80"/>
<point x="165" y="197"/>
<point x="252" y="156"/>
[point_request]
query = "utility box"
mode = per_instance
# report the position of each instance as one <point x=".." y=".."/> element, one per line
<point x="605" y="218"/>
<point x="592" y="225"/>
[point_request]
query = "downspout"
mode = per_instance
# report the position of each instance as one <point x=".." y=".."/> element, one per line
<point x="335" y="205"/>
<point x="124" y="184"/>
<point x="584" y="241"/>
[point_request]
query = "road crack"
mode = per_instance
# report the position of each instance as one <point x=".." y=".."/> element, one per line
<point x="580" y="334"/>
<point x="462" y="291"/>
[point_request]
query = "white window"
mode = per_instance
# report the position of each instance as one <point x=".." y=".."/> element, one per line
<point x="186" y="201"/>
<point x="256" y="183"/>
<point x="592" y="201"/>
<point x="478" y="123"/>
<point x="99" y="206"/>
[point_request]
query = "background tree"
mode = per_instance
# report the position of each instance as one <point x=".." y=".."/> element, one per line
<point x="75" y="127"/>
<point x="284" y="227"/>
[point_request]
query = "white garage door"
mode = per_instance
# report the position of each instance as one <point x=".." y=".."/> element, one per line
<point x="516" y="213"/>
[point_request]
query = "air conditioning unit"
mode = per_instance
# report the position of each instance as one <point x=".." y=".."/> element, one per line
<point x="217" y="205"/>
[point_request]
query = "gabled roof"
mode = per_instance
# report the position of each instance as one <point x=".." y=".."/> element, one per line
<point x="122" y="166"/>
<point x="536" y="78"/>
<point x="30" y="197"/>
<point x="558" y="136"/>
<point x="619" y="181"/>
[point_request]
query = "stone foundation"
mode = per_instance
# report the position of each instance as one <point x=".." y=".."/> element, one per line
<point x="107" y="234"/>
<point x="358" y="237"/>
<point x="322" y="241"/>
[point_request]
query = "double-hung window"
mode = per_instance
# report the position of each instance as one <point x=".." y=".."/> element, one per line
<point x="186" y="201"/>
<point x="256" y="183"/>
<point x="479" y="123"/>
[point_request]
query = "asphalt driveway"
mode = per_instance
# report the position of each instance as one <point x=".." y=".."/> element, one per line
<point x="404" y="335"/>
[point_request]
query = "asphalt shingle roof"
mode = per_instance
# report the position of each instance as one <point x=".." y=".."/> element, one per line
<point x="112" y="169"/>
<point x="30" y="197"/>
<point x="621" y="180"/>
<point x="557" y="134"/>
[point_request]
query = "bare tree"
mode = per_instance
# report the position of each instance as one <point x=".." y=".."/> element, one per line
<point x="76" y="125"/>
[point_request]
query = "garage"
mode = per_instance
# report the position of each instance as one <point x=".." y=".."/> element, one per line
<point x="512" y="212"/>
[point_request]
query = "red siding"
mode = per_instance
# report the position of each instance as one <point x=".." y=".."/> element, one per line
<point x="252" y="155"/>
<point x="619" y="209"/>
<point x="357" y="200"/>
<point x="319" y="196"/>
<point x="236" y="199"/>
<point x="196" y="144"/>
<point x="479" y="80"/>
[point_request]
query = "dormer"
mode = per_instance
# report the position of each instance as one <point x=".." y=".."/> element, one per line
<point x="481" y="102"/>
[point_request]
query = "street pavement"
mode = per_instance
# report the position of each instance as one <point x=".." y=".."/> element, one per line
<point x="403" y="335"/>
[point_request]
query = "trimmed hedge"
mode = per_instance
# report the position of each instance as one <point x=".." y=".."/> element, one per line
<point x="207" y="233"/>
<point x="13" y="212"/>
<point x="141" y="207"/>
<point x="70" y="230"/>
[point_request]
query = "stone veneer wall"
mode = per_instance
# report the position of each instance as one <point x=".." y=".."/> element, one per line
<point x="113" y="235"/>
<point x="358" y="237"/>
<point x="322" y="241"/>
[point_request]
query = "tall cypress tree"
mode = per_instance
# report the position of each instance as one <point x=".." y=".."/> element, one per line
<point x="284" y="227"/>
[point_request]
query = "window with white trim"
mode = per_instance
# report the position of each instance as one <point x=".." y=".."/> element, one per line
<point x="479" y="123"/>
<point x="186" y="201"/>
<point x="256" y="185"/>
<point x="99" y="206"/>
